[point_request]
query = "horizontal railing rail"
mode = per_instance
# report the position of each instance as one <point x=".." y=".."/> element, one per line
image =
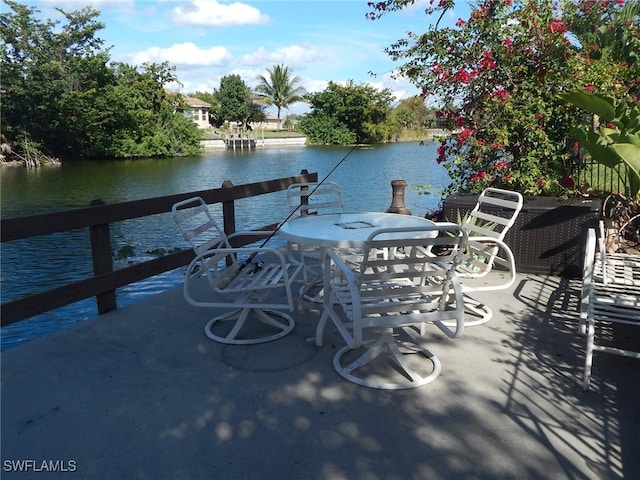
<point x="97" y="218"/>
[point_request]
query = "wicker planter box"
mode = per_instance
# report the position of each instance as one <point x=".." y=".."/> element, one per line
<point x="549" y="234"/>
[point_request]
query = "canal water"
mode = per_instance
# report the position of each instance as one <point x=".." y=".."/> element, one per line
<point x="38" y="264"/>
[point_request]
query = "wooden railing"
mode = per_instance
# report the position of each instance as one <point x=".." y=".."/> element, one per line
<point x="97" y="218"/>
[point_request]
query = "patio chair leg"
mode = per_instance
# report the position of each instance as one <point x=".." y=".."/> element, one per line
<point x="241" y="316"/>
<point x="479" y="310"/>
<point x="476" y="313"/>
<point x="588" y="361"/>
<point x="387" y="344"/>
<point x="322" y="323"/>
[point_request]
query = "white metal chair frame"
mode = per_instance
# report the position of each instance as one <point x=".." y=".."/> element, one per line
<point x="242" y="277"/>
<point x="312" y="198"/>
<point x="406" y="287"/>
<point x="610" y="295"/>
<point x="486" y="247"/>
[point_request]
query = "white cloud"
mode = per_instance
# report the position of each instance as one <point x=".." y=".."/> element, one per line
<point x="183" y="54"/>
<point x="211" y="13"/>
<point x="77" y="4"/>
<point x="294" y="56"/>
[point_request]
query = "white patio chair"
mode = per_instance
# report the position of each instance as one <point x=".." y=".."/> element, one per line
<point x="601" y="267"/>
<point x="245" y="280"/>
<point x="610" y="297"/>
<point x="376" y="307"/>
<point x="487" y="224"/>
<point x="312" y="198"/>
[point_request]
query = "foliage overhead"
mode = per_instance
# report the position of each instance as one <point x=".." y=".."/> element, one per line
<point x="60" y="92"/>
<point x="503" y="68"/>
<point x="343" y="114"/>
<point x="280" y="89"/>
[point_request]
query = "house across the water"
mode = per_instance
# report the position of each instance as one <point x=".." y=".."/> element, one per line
<point x="193" y="108"/>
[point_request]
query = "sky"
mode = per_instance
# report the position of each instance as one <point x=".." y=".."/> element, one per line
<point x="320" y="41"/>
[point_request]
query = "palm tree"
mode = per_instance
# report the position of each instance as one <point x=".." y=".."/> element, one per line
<point x="280" y="88"/>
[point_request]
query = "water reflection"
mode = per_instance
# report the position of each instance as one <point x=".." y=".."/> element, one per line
<point x="33" y="265"/>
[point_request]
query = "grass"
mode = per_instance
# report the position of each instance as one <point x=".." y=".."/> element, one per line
<point x="212" y="134"/>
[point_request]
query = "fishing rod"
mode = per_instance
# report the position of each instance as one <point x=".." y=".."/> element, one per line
<point x="253" y="255"/>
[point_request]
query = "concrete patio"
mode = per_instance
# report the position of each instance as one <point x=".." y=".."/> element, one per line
<point x="141" y="393"/>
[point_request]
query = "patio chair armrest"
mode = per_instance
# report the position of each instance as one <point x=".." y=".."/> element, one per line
<point x="587" y="279"/>
<point x="508" y="263"/>
<point x="346" y="273"/>
<point x="212" y="259"/>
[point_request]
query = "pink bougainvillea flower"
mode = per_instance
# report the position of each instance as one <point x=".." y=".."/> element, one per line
<point x="501" y="165"/>
<point x="558" y="26"/>
<point x="567" y="182"/>
<point x="442" y="153"/>
<point x="477" y="177"/>
<point x="462" y="76"/>
<point x="590" y="88"/>
<point x="487" y="62"/>
<point x="464" y="135"/>
<point x="508" y="43"/>
<point x="502" y="94"/>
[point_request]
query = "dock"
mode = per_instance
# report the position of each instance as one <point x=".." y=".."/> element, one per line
<point x="141" y="393"/>
<point x="233" y="142"/>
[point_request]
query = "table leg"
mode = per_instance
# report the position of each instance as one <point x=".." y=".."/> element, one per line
<point x="326" y="297"/>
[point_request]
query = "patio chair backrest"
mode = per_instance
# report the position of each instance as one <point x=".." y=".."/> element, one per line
<point x="494" y="213"/>
<point x="242" y="277"/>
<point x="197" y="225"/>
<point x="315" y="198"/>
<point x="405" y="278"/>
<point x="487" y="224"/>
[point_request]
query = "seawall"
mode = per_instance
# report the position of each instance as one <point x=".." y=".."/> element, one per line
<point x="218" y="143"/>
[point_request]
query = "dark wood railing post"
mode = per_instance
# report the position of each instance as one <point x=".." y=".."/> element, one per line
<point x="102" y="261"/>
<point x="229" y="211"/>
<point x="304" y="199"/>
<point x="228" y="215"/>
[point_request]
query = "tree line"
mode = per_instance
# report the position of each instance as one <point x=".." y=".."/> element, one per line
<point x="62" y="95"/>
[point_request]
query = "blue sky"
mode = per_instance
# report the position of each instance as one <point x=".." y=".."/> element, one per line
<point x="207" y="39"/>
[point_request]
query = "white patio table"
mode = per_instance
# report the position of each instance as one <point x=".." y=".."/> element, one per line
<point x="343" y="231"/>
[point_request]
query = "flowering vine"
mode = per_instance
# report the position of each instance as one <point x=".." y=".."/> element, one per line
<point x="498" y="75"/>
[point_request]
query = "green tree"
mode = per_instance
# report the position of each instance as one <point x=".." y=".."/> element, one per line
<point x="143" y="118"/>
<point x="234" y="102"/>
<point x="52" y="77"/>
<point x="325" y="130"/>
<point x="412" y="114"/>
<point x="280" y="88"/>
<point x="504" y="68"/>
<point x="59" y="91"/>
<point x="361" y="110"/>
